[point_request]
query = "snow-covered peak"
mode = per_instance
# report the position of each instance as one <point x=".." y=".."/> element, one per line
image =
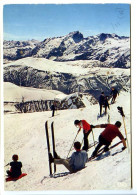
<point x="108" y="49"/>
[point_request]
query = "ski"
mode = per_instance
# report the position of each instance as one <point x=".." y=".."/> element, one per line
<point x="90" y="145"/>
<point x="101" y="151"/>
<point x="93" y="144"/>
<point x="53" y="143"/>
<point x="48" y="147"/>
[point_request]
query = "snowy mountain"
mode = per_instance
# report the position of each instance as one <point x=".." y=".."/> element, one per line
<point x="13" y="50"/>
<point x="108" y="50"/>
<point x="67" y="77"/>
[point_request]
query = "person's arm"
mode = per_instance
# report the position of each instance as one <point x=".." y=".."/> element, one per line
<point x="79" y="129"/>
<point x="97" y="126"/>
<point x="121" y="137"/>
<point x="124" y="143"/>
<point x="20" y="164"/>
<point x="100" y="126"/>
<point x="71" y="161"/>
<point x="7" y="164"/>
<point x="86" y="157"/>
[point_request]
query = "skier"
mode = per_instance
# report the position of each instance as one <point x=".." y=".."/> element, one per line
<point x="106" y="137"/>
<point x="87" y="128"/>
<point x="16" y="165"/>
<point x="106" y="104"/>
<point x="76" y="162"/>
<point x="114" y="94"/>
<point x="53" y="108"/>
<point x="101" y="101"/>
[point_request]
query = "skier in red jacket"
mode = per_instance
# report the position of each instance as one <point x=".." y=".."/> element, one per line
<point x="87" y="128"/>
<point x="106" y="137"/>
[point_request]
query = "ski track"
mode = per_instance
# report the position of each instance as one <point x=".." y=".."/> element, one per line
<point x="25" y="135"/>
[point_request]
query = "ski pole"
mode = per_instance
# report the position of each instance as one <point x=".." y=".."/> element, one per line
<point x="120" y="110"/>
<point x="93" y="137"/>
<point x="108" y="118"/>
<point x="125" y="132"/>
<point x="82" y="141"/>
<point x="72" y="144"/>
<point x="7" y="164"/>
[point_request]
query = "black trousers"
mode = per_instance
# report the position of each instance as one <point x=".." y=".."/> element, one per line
<point x="102" y="141"/>
<point x="11" y="174"/>
<point x="101" y="105"/>
<point x="53" y="112"/>
<point x="113" y="98"/>
<point x="85" y="147"/>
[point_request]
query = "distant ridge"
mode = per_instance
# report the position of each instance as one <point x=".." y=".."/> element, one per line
<point x="108" y="49"/>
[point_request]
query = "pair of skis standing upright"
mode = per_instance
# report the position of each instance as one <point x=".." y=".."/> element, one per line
<point x="48" y="145"/>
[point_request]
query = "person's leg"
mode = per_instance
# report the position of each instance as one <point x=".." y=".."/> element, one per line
<point x="100" y="109"/>
<point x="102" y="142"/>
<point x="96" y="149"/>
<point x="105" y="109"/>
<point x="112" y="100"/>
<point x="64" y="162"/>
<point x="114" y="97"/>
<point x="53" y="112"/>
<point x="86" y="144"/>
<point x="107" y="144"/>
<point x="9" y="173"/>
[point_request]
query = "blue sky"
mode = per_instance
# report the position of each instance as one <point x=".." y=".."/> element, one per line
<point x="40" y="21"/>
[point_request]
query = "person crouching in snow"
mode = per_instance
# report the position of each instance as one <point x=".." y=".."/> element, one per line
<point x="106" y="137"/>
<point x="87" y="128"/>
<point x="16" y="165"/>
<point x="76" y="162"/>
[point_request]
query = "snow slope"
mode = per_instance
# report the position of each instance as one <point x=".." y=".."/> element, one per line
<point x="25" y="135"/>
<point x="14" y="93"/>
<point x="81" y="67"/>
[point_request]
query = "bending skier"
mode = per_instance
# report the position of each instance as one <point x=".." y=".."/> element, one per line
<point x="77" y="160"/>
<point x="87" y="128"/>
<point x="106" y="137"/>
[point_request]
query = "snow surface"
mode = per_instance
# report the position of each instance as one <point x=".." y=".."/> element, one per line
<point x="81" y="67"/>
<point x="14" y="93"/>
<point x="49" y="65"/>
<point x="25" y="135"/>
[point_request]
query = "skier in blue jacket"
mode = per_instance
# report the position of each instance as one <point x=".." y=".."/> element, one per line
<point x="77" y="160"/>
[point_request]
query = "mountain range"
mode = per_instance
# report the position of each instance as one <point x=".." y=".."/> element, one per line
<point x="108" y="50"/>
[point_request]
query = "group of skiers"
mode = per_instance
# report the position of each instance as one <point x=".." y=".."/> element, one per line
<point x="79" y="158"/>
<point x="103" y="100"/>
